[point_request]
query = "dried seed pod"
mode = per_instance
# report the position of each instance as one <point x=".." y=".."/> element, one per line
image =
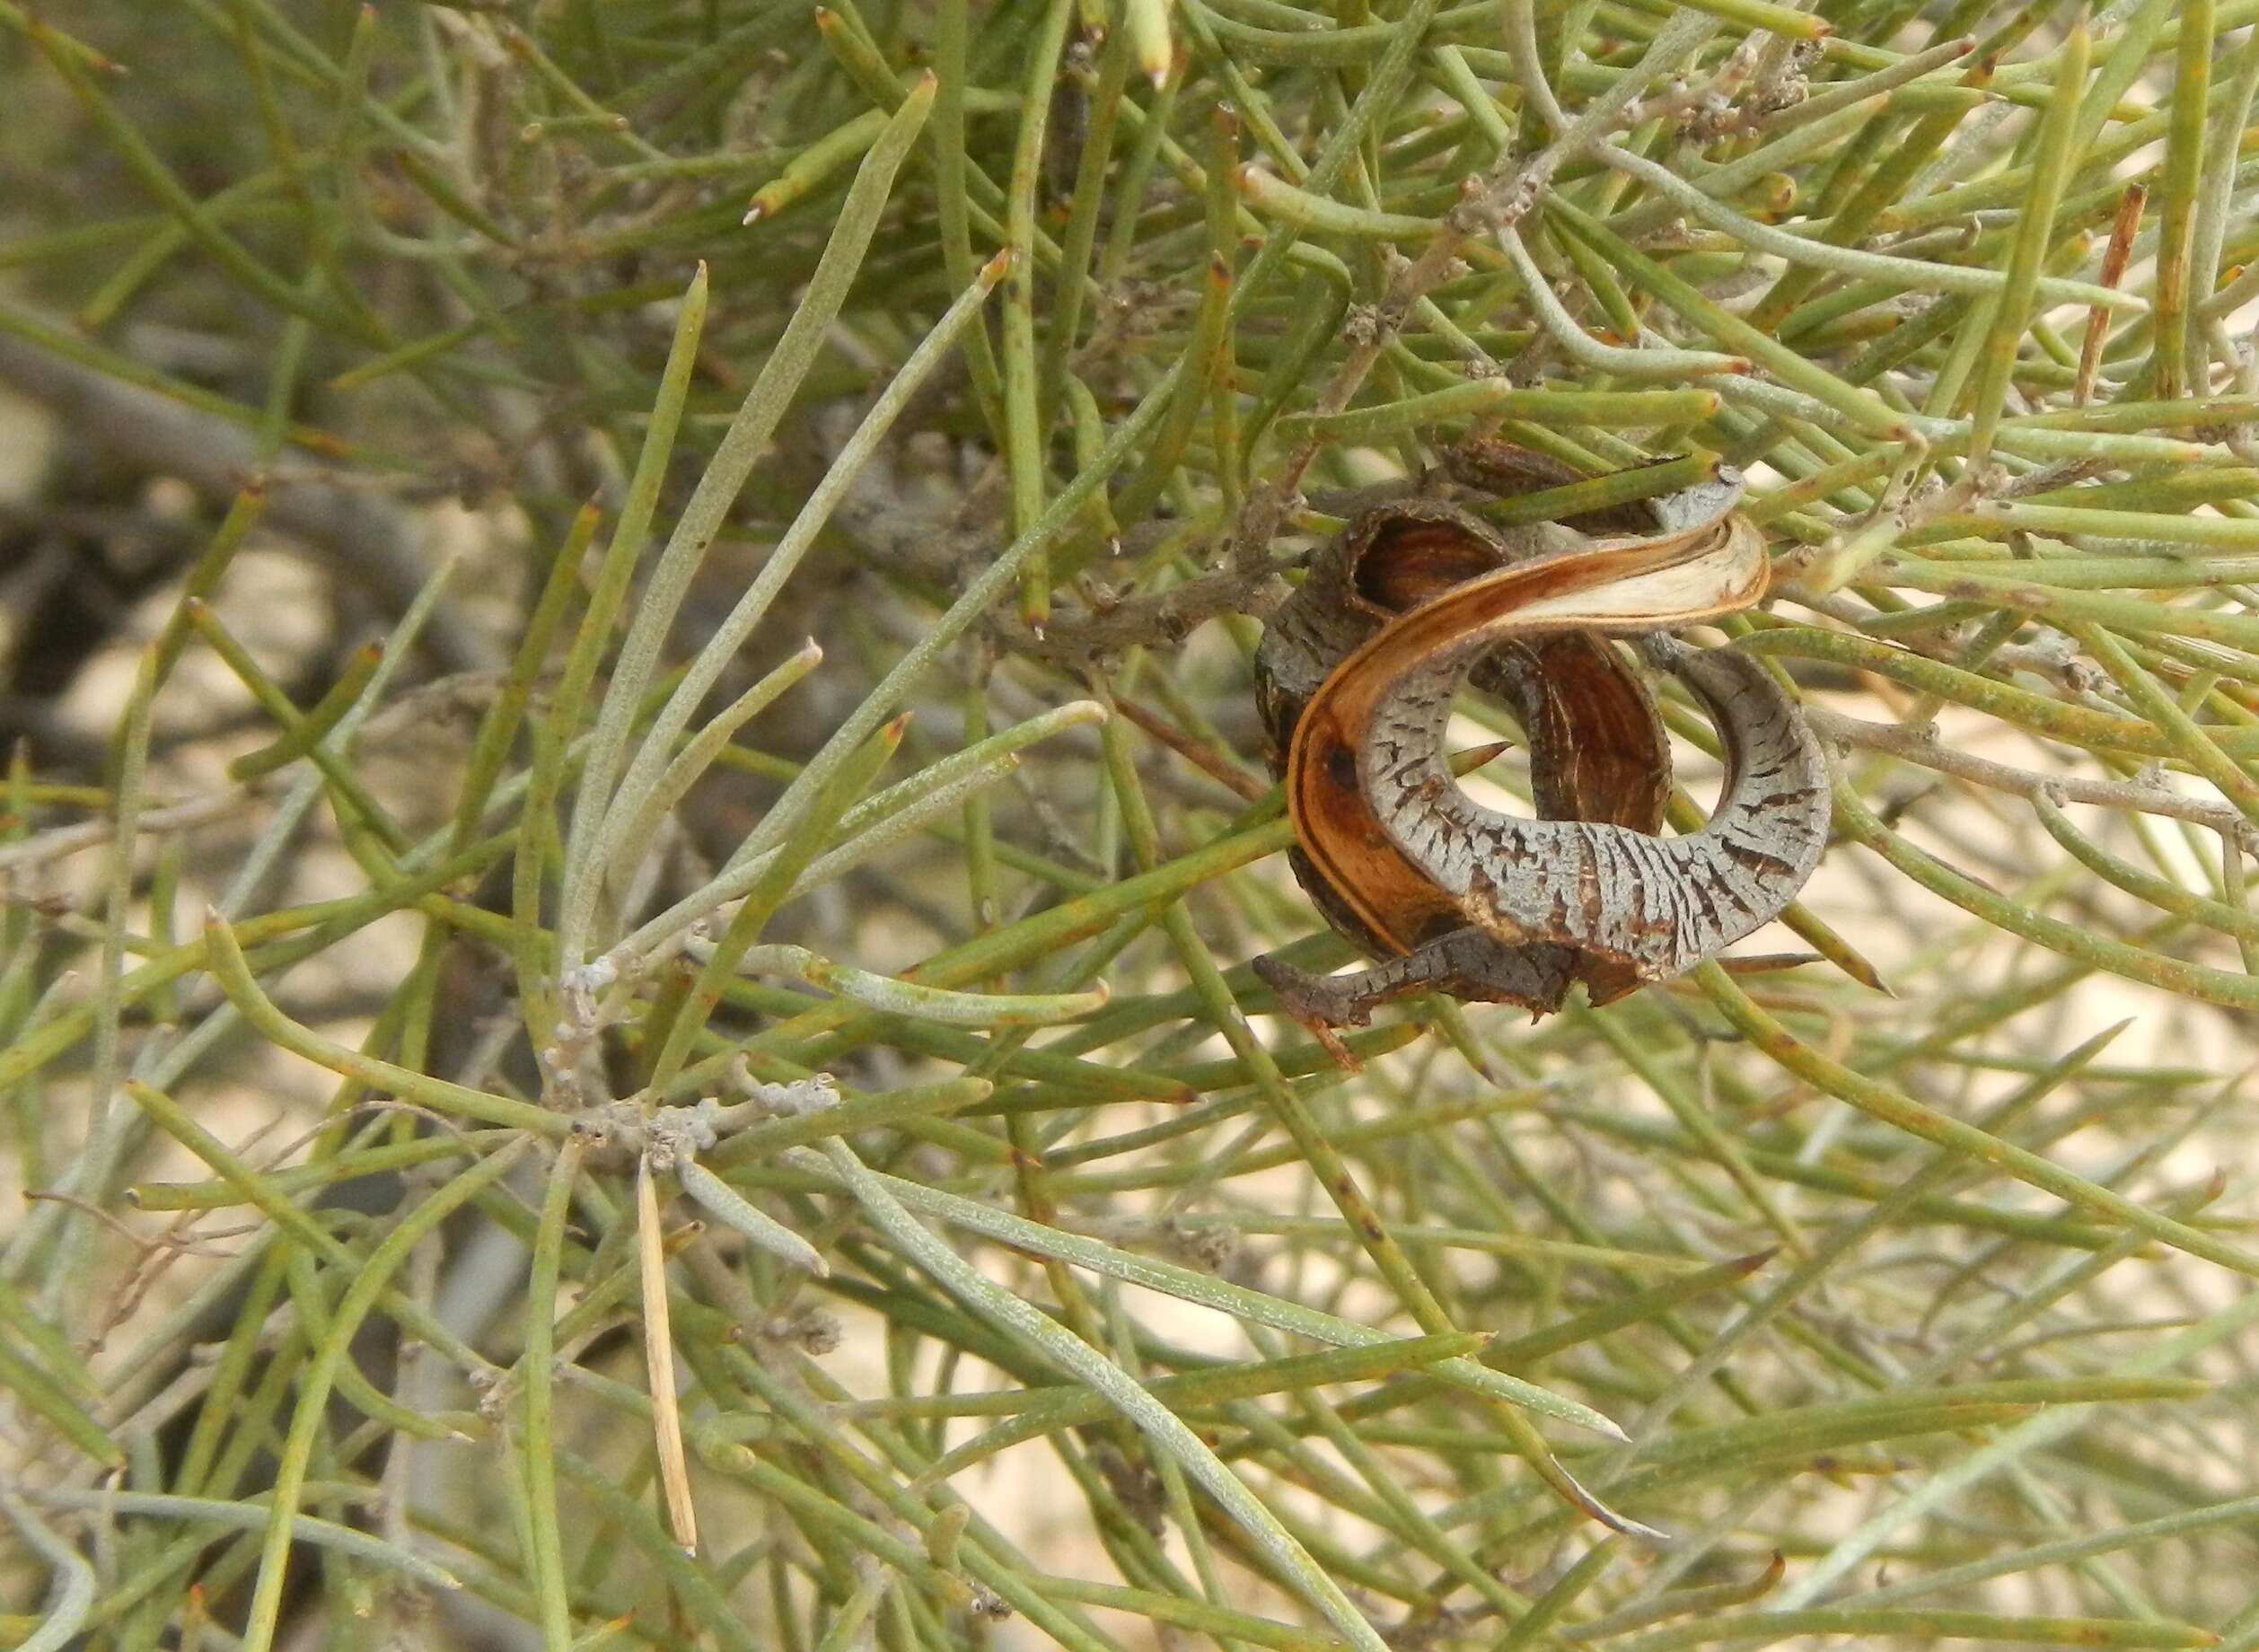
<point x="1356" y="679"/>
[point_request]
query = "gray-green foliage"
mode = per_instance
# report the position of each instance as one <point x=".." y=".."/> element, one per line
<point x="1017" y="353"/>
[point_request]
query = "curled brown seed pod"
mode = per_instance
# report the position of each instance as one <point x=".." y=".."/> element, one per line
<point x="1356" y="679"/>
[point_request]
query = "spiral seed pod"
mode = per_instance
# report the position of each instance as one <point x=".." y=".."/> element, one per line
<point x="1356" y="679"/>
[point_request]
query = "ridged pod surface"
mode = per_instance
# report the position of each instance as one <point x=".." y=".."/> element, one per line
<point x="1356" y="679"/>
